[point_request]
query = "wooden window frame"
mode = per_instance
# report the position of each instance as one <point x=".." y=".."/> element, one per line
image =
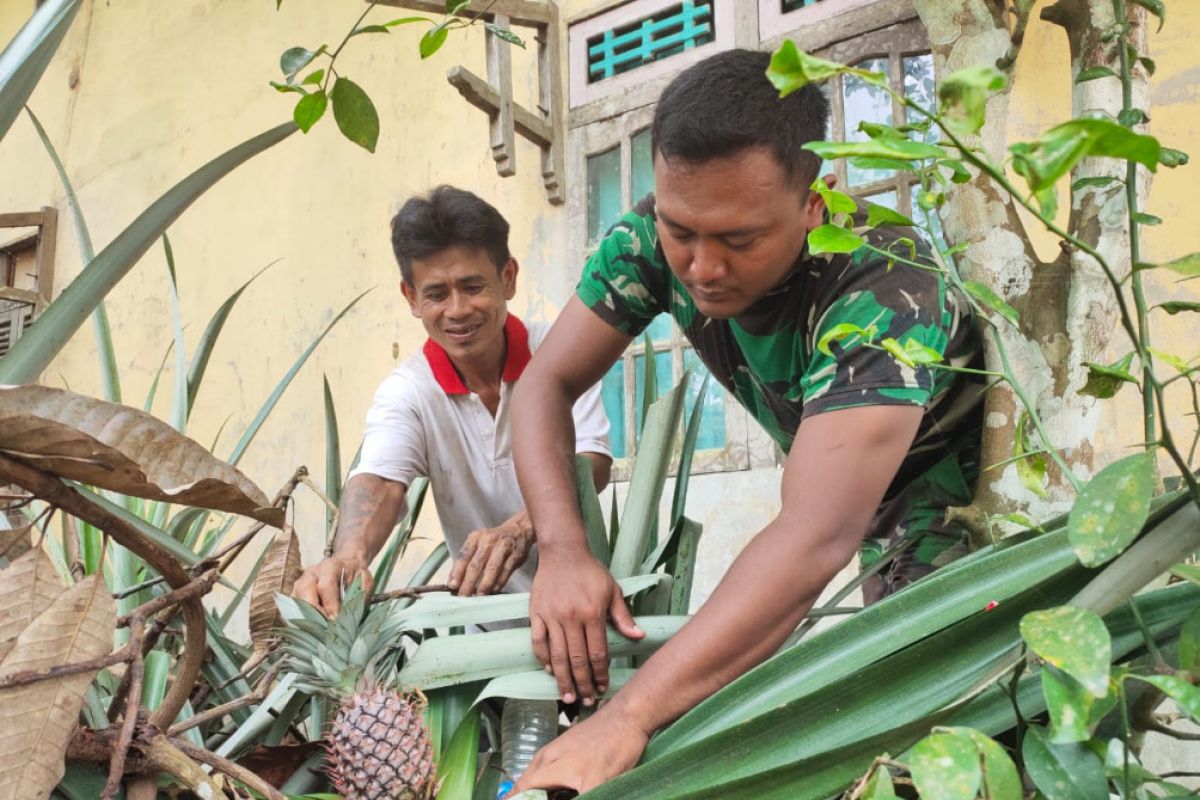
<point x="44" y="242"/>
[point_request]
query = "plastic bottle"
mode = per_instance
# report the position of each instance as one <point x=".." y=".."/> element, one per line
<point x="526" y="726"/>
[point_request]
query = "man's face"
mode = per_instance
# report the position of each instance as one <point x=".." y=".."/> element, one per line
<point x="462" y="300"/>
<point x="731" y="228"/>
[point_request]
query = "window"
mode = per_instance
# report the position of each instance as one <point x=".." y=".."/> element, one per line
<point x="26" y="270"/>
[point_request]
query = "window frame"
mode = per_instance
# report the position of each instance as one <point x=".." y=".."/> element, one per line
<point x="24" y="305"/>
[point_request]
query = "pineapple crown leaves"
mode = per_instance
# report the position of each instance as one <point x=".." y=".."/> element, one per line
<point x="359" y="648"/>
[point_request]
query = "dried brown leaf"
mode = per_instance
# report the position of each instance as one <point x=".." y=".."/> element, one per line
<point x="123" y="450"/>
<point x="15" y="543"/>
<point x="27" y="588"/>
<point x="38" y="719"/>
<point x="278" y="573"/>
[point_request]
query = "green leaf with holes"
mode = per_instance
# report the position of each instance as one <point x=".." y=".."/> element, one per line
<point x="1105" y="381"/>
<point x="310" y="109"/>
<point x="1062" y="771"/>
<point x="833" y="239"/>
<point x="835" y="202"/>
<point x="1111" y="510"/>
<point x="963" y="94"/>
<point x="355" y="114"/>
<point x="1186" y="696"/>
<point x="1075" y="641"/>
<point x="992" y="301"/>
<point x="882" y="215"/>
<point x="839" y="332"/>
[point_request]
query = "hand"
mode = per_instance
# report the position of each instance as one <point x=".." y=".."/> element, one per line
<point x="568" y="607"/>
<point x="322" y="584"/>
<point x="590" y="753"/>
<point x="490" y="556"/>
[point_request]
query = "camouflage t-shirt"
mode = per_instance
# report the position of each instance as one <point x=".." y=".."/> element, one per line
<point x="771" y="356"/>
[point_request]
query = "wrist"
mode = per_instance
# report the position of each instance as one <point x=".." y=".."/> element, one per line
<point x="563" y="550"/>
<point x="623" y="711"/>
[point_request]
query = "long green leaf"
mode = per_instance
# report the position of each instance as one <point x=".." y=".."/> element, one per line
<point x="456" y="771"/>
<point x="34" y="351"/>
<point x="252" y="430"/>
<point x="180" y="398"/>
<point x="541" y="685"/>
<point x="152" y="392"/>
<point x="646" y="484"/>
<point x="208" y="340"/>
<point x="683" y="565"/>
<point x="690" y="436"/>
<point x="447" y="660"/>
<point x="156" y="535"/>
<point x="414" y="501"/>
<point x="110" y="376"/>
<point x="589" y="508"/>
<point x="333" y="456"/>
<point x="449" y="706"/>
<point x="928" y="606"/>
<point x="29" y="53"/>
<point x="446" y="611"/>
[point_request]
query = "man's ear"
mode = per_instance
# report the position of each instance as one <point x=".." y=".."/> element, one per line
<point x="508" y="277"/>
<point x="814" y="204"/>
<point x="410" y="294"/>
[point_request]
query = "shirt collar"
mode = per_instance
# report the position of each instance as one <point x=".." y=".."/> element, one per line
<point x="516" y="356"/>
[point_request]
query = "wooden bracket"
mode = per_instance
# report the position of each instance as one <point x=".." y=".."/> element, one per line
<point x="508" y="119"/>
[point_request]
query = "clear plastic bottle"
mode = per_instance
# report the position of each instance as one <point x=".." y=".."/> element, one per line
<point x="526" y="726"/>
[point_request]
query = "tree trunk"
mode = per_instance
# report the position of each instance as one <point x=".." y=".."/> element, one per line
<point x="1068" y="312"/>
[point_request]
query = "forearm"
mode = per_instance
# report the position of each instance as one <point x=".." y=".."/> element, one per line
<point x="369" y="510"/>
<point x="767" y="591"/>
<point x="544" y="450"/>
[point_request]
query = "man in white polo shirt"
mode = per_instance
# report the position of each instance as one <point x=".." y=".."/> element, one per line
<point x="444" y="412"/>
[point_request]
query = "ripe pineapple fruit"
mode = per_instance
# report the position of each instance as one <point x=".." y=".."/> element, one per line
<point x="377" y="743"/>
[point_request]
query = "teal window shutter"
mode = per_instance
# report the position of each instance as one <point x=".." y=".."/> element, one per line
<point x="626" y="47"/>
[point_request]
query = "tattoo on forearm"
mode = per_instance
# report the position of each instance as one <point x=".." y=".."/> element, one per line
<point x="360" y="503"/>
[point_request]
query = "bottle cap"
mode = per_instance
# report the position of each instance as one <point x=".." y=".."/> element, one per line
<point x="503" y="789"/>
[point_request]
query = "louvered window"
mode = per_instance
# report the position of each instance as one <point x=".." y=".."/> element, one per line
<point x="665" y="33"/>
<point x="26" y="270"/>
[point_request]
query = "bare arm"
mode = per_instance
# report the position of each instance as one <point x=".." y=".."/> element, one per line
<point x="370" y="508"/>
<point x="840" y="465"/>
<point x="573" y="594"/>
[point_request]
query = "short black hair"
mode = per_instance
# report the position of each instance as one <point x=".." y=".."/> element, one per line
<point x="725" y="104"/>
<point x="447" y="217"/>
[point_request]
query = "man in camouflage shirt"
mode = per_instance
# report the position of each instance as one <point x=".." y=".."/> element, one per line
<point x="876" y="449"/>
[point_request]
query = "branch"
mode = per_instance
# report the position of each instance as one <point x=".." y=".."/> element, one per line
<point x="235" y="771"/>
<point x="1183" y="736"/>
<point x="208" y="715"/>
<point x="116" y="767"/>
<point x="396" y="594"/>
<point x="1021" y="12"/>
<point x="153" y="756"/>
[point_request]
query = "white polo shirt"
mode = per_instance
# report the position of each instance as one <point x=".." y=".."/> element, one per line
<point x="425" y="422"/>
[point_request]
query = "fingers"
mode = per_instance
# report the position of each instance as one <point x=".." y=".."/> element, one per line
<point x="494" y="574"/>
<point x="560" y="663"/>
<point x="540" y="640"/>
<point x="597" y="650"/>
<point x="305" y="588"/>
<point x="622" y="619"/>
<point x="581" y="666"/>
<point x="458" y="572"/>
<point x="368" y="581"/>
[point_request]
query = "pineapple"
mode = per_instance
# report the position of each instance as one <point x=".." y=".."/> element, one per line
<point x="377" y="744"/>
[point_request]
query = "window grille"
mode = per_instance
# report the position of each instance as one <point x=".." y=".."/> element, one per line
<point x="660" y="35"/>
<point x="792" y="5"/>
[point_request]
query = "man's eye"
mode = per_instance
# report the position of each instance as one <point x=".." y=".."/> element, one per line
<point x="435" y="297"/>
<point x="740" y="244"/>
<point x="681" y="236"/>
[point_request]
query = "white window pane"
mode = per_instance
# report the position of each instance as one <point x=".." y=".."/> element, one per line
<point x="865" y="103"/>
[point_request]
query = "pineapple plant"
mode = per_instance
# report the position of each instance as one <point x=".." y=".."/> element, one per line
<point x="377" y="743"/>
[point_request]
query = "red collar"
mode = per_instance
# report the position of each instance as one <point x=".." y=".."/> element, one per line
<point x="517" y="355"/>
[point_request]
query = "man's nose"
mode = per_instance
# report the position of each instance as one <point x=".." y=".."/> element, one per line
<point x="708" y="262"/>
<point x="458" y="305"/>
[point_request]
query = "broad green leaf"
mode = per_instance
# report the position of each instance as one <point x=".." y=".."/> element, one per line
<point x="504" y="34"/>
<point x="1073" y="640"/>
<point x="833" y="239"/>
<point x="1188" y="265"/>
<point x="1069" y="704"/>
<point x="839" y="332"/>
<point x="1146" y="219"/>
<point x="1111" y="509"/>
<point x="1031" y="465"/>
<point x="1178" y="363"/>
<point x="309" y="109"/>
<point x="791" y="69"/>
<point x="1176" y="306"/>
<point x="889" y="164"/>
<point x="1105" y="381"/>
<point x="962" y="96"/>
<point x="1171" y="158"/>
<point x="835" y="202"/>
<point x="990" y="300"/>
<point x="1062" y="771"/>
<point x="355" y="114"/>
<point x="34" y="351"/>
<point x="958" y="170"/>
<point x="899" y="149"/>
<point x="882" y="215"/>
<point x="541" y="685"/>
<point x="911" y="353"/>
<point x="945" y="766"/>
<point x="26" y="57"/>
<point x="314" y="78"/>
<point x="295" y="59"/>
<point x="1155" y="7"/>
<point x="880" y="786"/>
<point x="1131" y="116"/>
<point x="432" y="41"/>
<point x="1095" y="181"/>
<point x="1186" y="696"/>
<point x="1092" y="73"/>
<point x="1189" y="643"/>
<point x="456" y="770"/>
<point x="1000" y="778"/>
<point x="268" y="406"/>
<point x="1043" y="161"/>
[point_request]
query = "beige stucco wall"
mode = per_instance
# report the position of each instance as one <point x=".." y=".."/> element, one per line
<point x="142" y="92"/>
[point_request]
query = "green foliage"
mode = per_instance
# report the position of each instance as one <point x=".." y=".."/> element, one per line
<point x="355" y="114"/>
<point x="833" y="239"/>
<point x="1062" y="771"/>
<point x="1105" y="381"/>
<point x="1073" y="640"/>
<point x="1112" y="509"/>
<point x="963" y="96"/>
<point x="26" y="57"/>
<point x="1043" y="161"/>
